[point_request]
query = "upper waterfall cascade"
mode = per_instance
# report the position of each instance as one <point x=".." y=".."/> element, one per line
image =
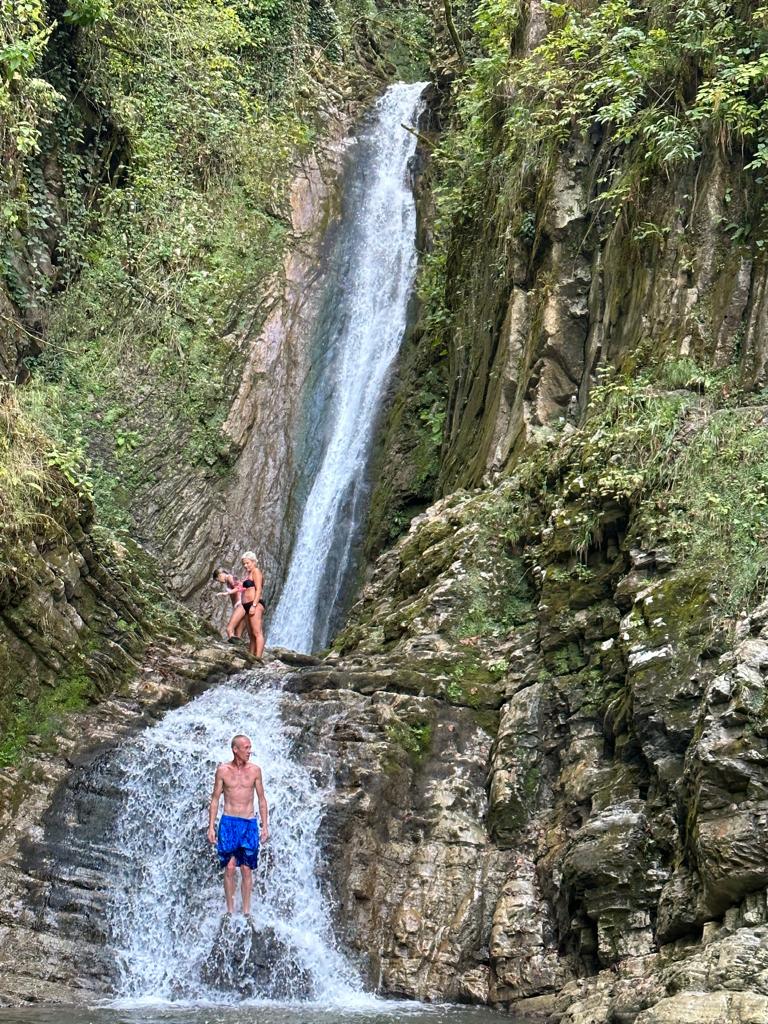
<point x="358" y="335"/>
<point x="166" y="909"/>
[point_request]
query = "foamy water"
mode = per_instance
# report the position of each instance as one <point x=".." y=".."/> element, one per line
<point x="167" y="905"/>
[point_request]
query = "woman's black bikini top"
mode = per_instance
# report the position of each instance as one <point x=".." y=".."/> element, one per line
<point x="248" y="585"/>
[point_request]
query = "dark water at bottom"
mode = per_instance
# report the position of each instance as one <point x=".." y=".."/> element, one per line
<point x="383" y="1012"/>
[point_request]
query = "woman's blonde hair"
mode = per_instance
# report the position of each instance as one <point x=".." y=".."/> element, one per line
<point x="251" y="556"/>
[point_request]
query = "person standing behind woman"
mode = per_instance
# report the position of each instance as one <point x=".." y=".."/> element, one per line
<point x="234" y="590"/>
<point x="252" y="605"/>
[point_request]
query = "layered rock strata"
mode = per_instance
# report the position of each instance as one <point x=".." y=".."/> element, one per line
<point x="627" y="773"/>
<point x="535" y="310"/>
<point x="73" y="611"/>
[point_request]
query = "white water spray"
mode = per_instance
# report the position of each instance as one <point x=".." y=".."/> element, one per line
<point x="167" y="905"/>
<point x="362" y="330"/>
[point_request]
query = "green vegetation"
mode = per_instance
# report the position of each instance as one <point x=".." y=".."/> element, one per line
<point x="43" y="717"/>
<point x="662" y="81"/>
<point x="495" y="604"/>
<point x="414" y="737"/>
<point x="172" y="222"/>
<point x="40" y="485"/>
<point x="718" y="504"/>
<point x="173" y="130"/>
<point x="684" y="469"/>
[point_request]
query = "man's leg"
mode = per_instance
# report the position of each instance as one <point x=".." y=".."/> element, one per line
<point x="230" y="884"/>
<point x="246" y="887"/>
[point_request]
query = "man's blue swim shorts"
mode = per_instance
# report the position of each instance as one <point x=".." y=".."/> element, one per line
<point x="238" y="838"/>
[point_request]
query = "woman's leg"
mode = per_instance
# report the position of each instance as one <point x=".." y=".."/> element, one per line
<point x="240" y="628"/>
<point x="255" y="618"/>
<point x="238" y="616"/>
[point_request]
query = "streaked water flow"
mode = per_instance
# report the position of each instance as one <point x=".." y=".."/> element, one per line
<point x="166" y="909"/>
<point x="359" y="333"/>
<point x="167" y="906"/>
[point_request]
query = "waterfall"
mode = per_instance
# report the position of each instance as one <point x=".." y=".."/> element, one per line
<point x="357" y="337"/>
<point x="167" y="902"/>
<point x="166" y="907"/>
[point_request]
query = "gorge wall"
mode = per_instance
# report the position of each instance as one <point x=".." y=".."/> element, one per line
<point x="546" y="715"/>
<point x="591" y="353"/>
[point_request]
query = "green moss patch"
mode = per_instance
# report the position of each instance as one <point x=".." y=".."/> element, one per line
<point x="415" y="738"/>
<point x="43" y="717"/>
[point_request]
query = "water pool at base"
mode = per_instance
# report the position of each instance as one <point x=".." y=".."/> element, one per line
<point x="385" y="1013"/>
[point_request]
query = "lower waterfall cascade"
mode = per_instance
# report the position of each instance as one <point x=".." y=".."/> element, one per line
<point x="167" y="904"/>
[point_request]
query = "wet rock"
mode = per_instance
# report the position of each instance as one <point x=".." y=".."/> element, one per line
<point x="708" y="1008"/>
<point x="57" y="854"/>
<point x="254" y="963"/>
<point x="406" y="855"/>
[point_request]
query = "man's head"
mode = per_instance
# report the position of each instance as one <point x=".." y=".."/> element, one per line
<point x="241" y="747"/>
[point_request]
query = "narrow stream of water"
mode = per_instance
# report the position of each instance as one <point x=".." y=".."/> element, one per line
<point x="357" y="337"/>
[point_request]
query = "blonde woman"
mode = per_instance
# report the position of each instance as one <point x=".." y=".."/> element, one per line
<point x="251" y="605"/>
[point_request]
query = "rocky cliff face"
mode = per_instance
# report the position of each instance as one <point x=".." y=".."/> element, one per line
<point x="578" y="249"/>
<point x="583" y="592"/>
<point x="579" y="293"/>
<point x="403" y="839"/>
<point x="194" y="522"/>
<point x="625" y="775"/>
<point x="77" y="608"/>
<point x="559" y="813"/>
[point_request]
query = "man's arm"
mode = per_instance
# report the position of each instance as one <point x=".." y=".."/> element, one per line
<point x="213" y="810"/>
<point x="263" y="809"/>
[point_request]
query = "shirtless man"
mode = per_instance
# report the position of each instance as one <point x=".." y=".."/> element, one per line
<point x="238" y="840"/>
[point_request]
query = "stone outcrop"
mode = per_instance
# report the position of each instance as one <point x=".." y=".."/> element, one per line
<point x="406" y="852"/>
<point x="576" y="291"/>
<point x="73" y="611"/>
<point x="627" y="772"/>
<point x="254" y="963"/>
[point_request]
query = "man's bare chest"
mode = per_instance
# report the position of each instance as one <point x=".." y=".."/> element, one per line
<point x="238" y="781"/>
